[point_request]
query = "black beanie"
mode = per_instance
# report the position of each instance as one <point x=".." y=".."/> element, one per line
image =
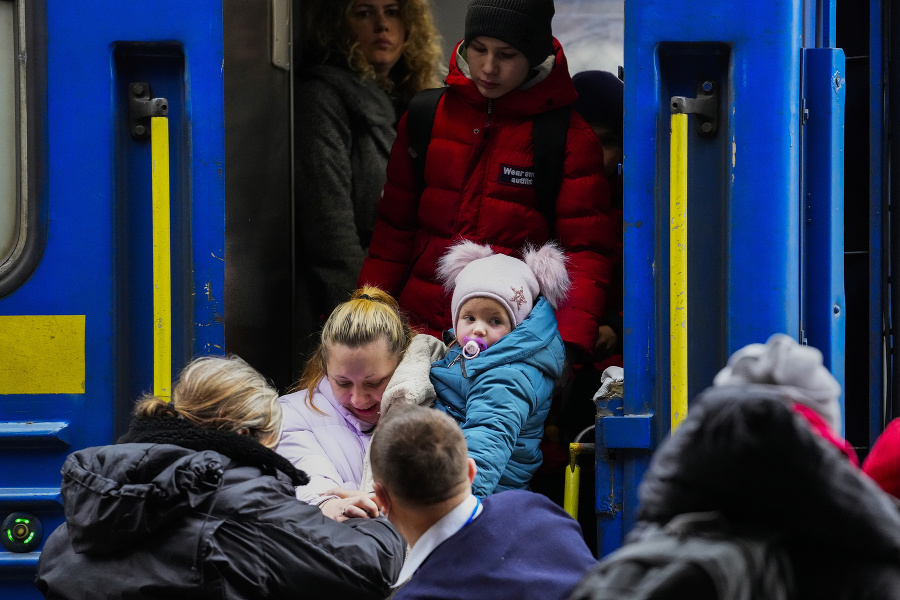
<point x="523" y="24"/>
<point x="600" y="98"/>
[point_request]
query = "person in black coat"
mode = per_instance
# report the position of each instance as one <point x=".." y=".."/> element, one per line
<point x="752" y="451"/>
<point x="193" y="503"/>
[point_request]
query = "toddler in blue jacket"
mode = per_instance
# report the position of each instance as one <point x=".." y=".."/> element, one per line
<point x="497" y="377"/>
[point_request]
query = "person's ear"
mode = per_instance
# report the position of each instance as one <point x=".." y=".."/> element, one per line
<point x="243" y="431"/>
<point x="473" y="469"/>
<point x="383" y="498"/>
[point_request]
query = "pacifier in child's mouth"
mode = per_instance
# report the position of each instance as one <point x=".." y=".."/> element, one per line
<point x="472" y="346"/>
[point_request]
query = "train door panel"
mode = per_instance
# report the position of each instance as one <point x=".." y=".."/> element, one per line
<point x="732" y="189"/>
<point x="259" y="256"/>
<point x="135" y="66"/>
<point x="823" y="305"/>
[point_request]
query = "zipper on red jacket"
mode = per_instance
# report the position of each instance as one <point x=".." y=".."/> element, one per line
<point x="473" y="162"/>
<point x="476" y="155"/>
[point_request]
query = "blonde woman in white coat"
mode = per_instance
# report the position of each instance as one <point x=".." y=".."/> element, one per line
<point x="342" y="393"/>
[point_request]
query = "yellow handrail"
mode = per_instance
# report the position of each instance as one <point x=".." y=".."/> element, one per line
<point x="162" y="260"/>
<point x="573" y="483"/>
<point x="573" y="476"/>
<point x="678" y="309"/>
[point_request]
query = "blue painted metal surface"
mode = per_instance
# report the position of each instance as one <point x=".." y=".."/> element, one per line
<point x="743" y="193"/>
<point x="828" y="24"/>
<point x="93" y="50"/>
<point x="609" y="478"/>
<point x="823" y="146"/>
<point x="42" y="497"/>
<point x="31" y="434"/>
<point x="628" y="431"/>
<point x="878" y="219"/>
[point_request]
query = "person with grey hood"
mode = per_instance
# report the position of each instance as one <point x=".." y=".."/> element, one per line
<point x="193" y="503"/>
<point x="759" y="463"/>
<point x="362" y="61"/>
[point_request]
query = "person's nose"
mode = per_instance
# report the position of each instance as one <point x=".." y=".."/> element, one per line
<point x="490" y="64"/>
<point x="480" y="329"/>
<point x="381" y="22"/>
<point x="358" y="398"/>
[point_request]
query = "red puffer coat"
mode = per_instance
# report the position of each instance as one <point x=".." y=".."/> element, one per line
<point x="475" y="189"/>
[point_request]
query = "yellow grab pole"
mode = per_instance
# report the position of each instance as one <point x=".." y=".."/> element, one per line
<point x="162" y="261"/>
<point x="678" y="310"/>
<point x="573" y="482"/>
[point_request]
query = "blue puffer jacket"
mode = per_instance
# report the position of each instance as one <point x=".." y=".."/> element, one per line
<point x="501" y="398"/>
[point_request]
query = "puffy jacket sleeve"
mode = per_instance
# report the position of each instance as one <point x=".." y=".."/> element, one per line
<point x="300" y="445"/>
<point x="393" y="240"/>
<point x="299" y="551"/>
<point x="587" y="227"/>
<point x="326" y="224"/>
<point x="497" y="406"/>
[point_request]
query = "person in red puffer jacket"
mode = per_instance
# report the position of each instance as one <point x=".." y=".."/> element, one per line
<point x="479" y="175"/>
<point x="883" y="462"/>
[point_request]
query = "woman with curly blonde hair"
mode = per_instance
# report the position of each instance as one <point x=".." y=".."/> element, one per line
<point x="330" y="30"/>
<point x="362" y="62"/>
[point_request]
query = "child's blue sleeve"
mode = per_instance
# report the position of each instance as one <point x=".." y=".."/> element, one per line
<point x="497" y="407"/>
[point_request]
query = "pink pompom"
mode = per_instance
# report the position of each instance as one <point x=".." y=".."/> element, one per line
<point x="548" y="263"/>
<point x="457" y="258"/>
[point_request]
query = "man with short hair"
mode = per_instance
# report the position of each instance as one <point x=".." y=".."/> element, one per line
<point x="514" y="544"/>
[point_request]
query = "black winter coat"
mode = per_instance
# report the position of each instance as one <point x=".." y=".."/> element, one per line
<point x="345" y="128"/>
<point x="744" y="453"/>
<point x="172" y="520"/>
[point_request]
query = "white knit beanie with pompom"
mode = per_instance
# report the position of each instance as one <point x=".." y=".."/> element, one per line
<point x="796" y="369"/>
<point x="474" y="271"/>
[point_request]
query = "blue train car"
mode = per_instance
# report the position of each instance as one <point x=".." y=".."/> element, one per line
<point x="89" y="250"/>
<point x="785" y="159"/>
<point x="745" y="123"/>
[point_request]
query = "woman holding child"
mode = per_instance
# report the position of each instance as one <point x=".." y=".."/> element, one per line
<point x="341" y="395"/>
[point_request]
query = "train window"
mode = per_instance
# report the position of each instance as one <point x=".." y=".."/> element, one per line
<point x="9" y="125"/>
<point x="23" y="156"/>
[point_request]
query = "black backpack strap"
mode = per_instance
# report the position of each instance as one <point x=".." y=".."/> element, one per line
<point x="419" y="121"/>
<point x="550" y="130"/>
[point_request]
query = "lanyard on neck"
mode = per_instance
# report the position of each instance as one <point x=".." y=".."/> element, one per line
<point x="472" y="516"/>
